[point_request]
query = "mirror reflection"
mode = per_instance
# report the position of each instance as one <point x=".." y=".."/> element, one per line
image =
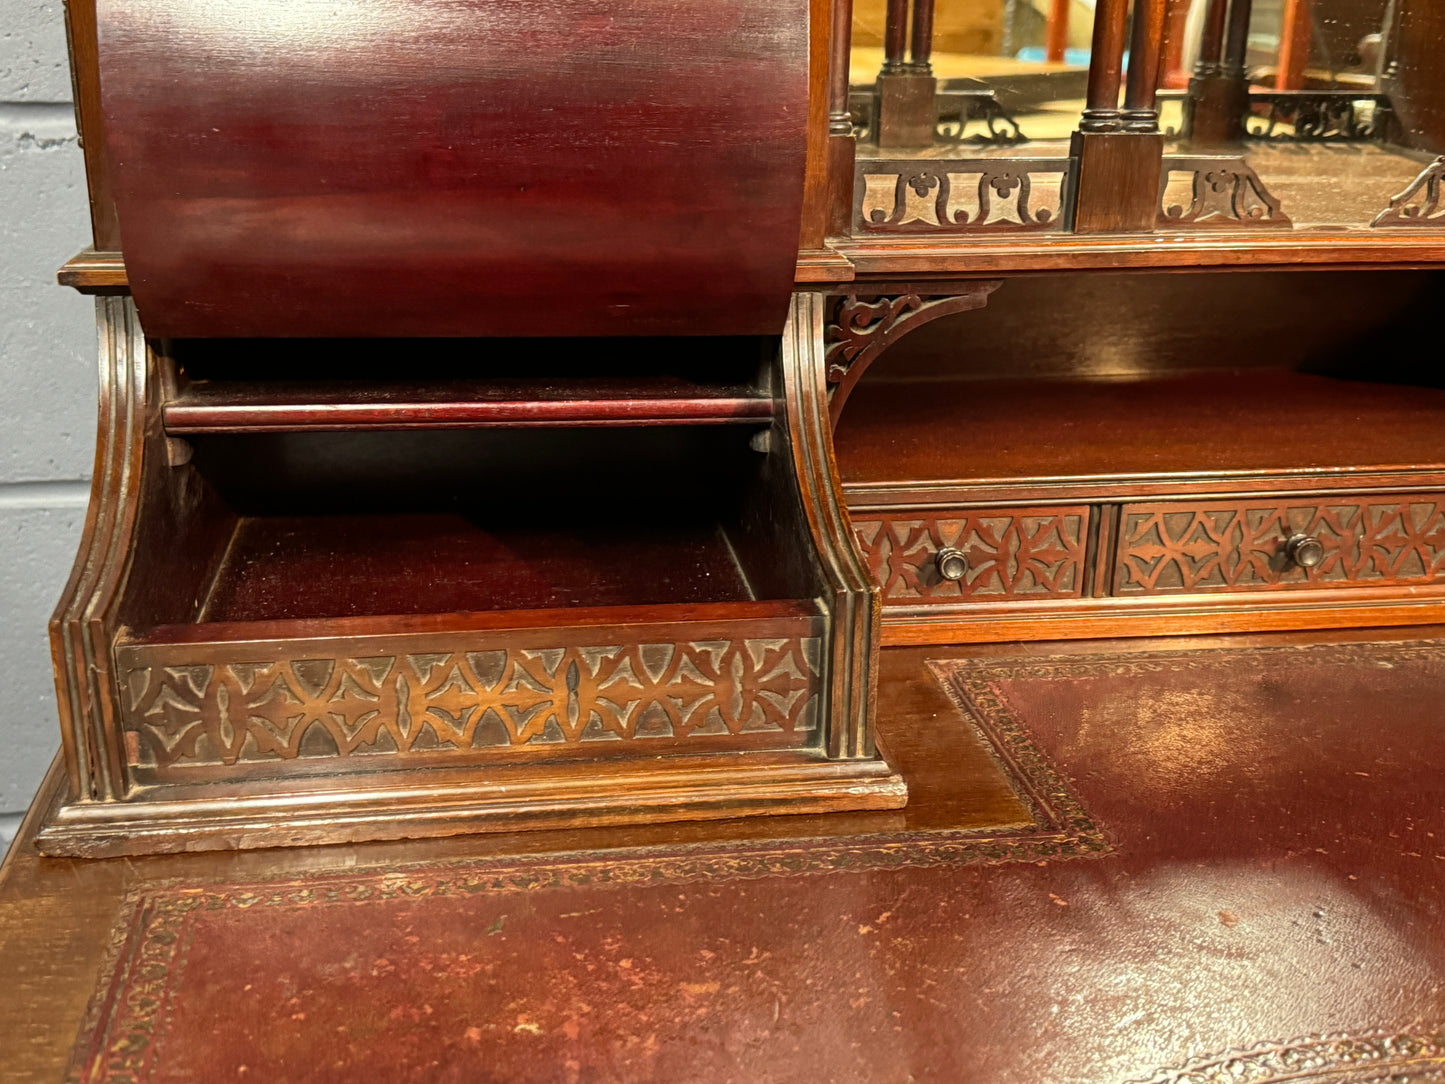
<point x="1332" y="112"/>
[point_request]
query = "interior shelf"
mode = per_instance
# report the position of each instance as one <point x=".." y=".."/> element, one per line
<point x="331" y="566"/>
<point x="1185" y="426"/>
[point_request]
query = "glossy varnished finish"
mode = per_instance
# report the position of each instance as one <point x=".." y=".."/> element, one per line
<point x="529" y="167"/>
<point x="55" y="914"/>
<point x="221" y="651"/>
<point x="1272" y="816"/>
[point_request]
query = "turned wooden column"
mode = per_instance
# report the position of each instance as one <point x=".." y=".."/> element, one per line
<point x="1056" y="31"/>
<point x="920" y="60"/>
<point x="1219" y="92"/>
<point x="1211" y="45"/>
<point x="1118" y="152"/>
<point x="906" y="88"/>
<point x="1106" y="68"/>
<point x="1141" y="92"/>
<point x="841" y="146"/>
<point x="1171" y="50"/>
<point x="1294" y="45"/>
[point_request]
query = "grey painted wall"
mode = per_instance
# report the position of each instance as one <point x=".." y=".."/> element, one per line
<point x="47" y="373"/>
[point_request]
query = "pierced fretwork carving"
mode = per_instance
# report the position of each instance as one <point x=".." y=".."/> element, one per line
<point x="1420" y="204"/>
<point x="859" y="327"/>
<point x="1317" y="116"/>
<point x="1167" y="548"/>
<point x="464" y="704"/>
<point x="958" y="195"/>
<point x="957" y="110"/>
<point x="1011" y="553"/>
<point x="1222" y="190"/>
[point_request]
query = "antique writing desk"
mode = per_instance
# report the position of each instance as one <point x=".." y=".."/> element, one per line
<point x="485" y="440"/>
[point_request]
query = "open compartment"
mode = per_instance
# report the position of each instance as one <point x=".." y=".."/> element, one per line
<point x="1095" y="455"/>
<point x="404" y="624"/>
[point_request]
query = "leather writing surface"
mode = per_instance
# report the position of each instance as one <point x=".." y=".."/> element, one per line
<point x="457" y="167"/>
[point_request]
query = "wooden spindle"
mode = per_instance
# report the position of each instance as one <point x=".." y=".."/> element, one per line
<point x="1106" y="67"/>
<point x="841" y="148"/>
<point x="895" y="38"/>
<point x="1056" y="31"/>
<point x="840" y="121"/>
<point x="1294" y="45"/>
<point x="1176" y="18"/>
<point x="1141" y="92"/>
<point x="921" y="47"/>
<point x="1211" y="44"/>
<point x="1236" y="39"/>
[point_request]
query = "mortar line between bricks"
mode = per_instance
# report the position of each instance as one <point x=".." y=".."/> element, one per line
<point x="68" y="494"/>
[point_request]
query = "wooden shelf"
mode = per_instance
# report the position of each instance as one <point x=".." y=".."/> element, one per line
<point x="233" y="407"/>
<point x="1207" y="432"/>
<point x="333" y="566"/>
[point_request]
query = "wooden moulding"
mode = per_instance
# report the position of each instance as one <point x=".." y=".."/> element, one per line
<point x="877" y="260"/>
<point x="183" y="734"/>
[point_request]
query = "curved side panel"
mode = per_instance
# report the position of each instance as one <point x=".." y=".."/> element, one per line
<point x="855" y="603"/>
<point x="464" y="167"/>
<point x="82" y="624"/>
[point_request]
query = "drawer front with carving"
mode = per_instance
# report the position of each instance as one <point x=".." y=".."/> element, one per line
<point x="976" y="555"/>
<point x="1326" y="542"/>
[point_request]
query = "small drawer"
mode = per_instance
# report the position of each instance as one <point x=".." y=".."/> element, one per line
<point x="976" y="554"/>
<point x="1175" y="548"/>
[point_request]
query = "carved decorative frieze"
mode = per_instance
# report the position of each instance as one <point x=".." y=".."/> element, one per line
<point x="1420" y="204"/>
<point x="1318" y="116"/>
<point x="961" y="195"/>
<point x="463" y="703"/>
<point x="1171" y="548"/>
<point x="1215" y="191"/>
<point x="1005" y="553"/>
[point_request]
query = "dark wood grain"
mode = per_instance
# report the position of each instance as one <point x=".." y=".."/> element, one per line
<point x="241" y="407"/>
<point x="80" y="31"/>
<point x="1197" y="425"/>
<point x="534" y="167"/>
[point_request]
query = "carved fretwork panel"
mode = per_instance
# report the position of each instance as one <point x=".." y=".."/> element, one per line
<point x="1318" y="116"/>
<point x="1216" y="191"/>
<point x="1422" y="203"/>
<point x="963" y="195"/>
<point x="1009" y="553"/>
<point x="187" y="708"/>
<point x="1173" y="548"/>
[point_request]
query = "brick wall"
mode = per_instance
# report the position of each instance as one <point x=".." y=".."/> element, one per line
<point x="47" y="380"/>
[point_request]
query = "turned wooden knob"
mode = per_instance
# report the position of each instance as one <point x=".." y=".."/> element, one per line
<point x="1304" y="550"/>
<point x="952" y="563"/>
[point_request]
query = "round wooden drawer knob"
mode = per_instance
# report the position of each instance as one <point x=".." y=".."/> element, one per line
<point x="952" y="563"/>
<point x="1304" y="550"/>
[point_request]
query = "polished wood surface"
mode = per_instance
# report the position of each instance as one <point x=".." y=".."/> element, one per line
<point x="55" y="914"/>
<point x="1335" y="901"/>
<point x="1030" y="433"/>
<point x="465" y="171"/>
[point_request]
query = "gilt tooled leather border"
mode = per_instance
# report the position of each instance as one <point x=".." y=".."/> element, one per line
<point x="1376" y="1057"/>
<point x="125" y="1025"/>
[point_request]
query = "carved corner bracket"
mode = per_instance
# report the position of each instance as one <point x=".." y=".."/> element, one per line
<point x="1420" y="204"/>
<point x="859" y="327"/>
